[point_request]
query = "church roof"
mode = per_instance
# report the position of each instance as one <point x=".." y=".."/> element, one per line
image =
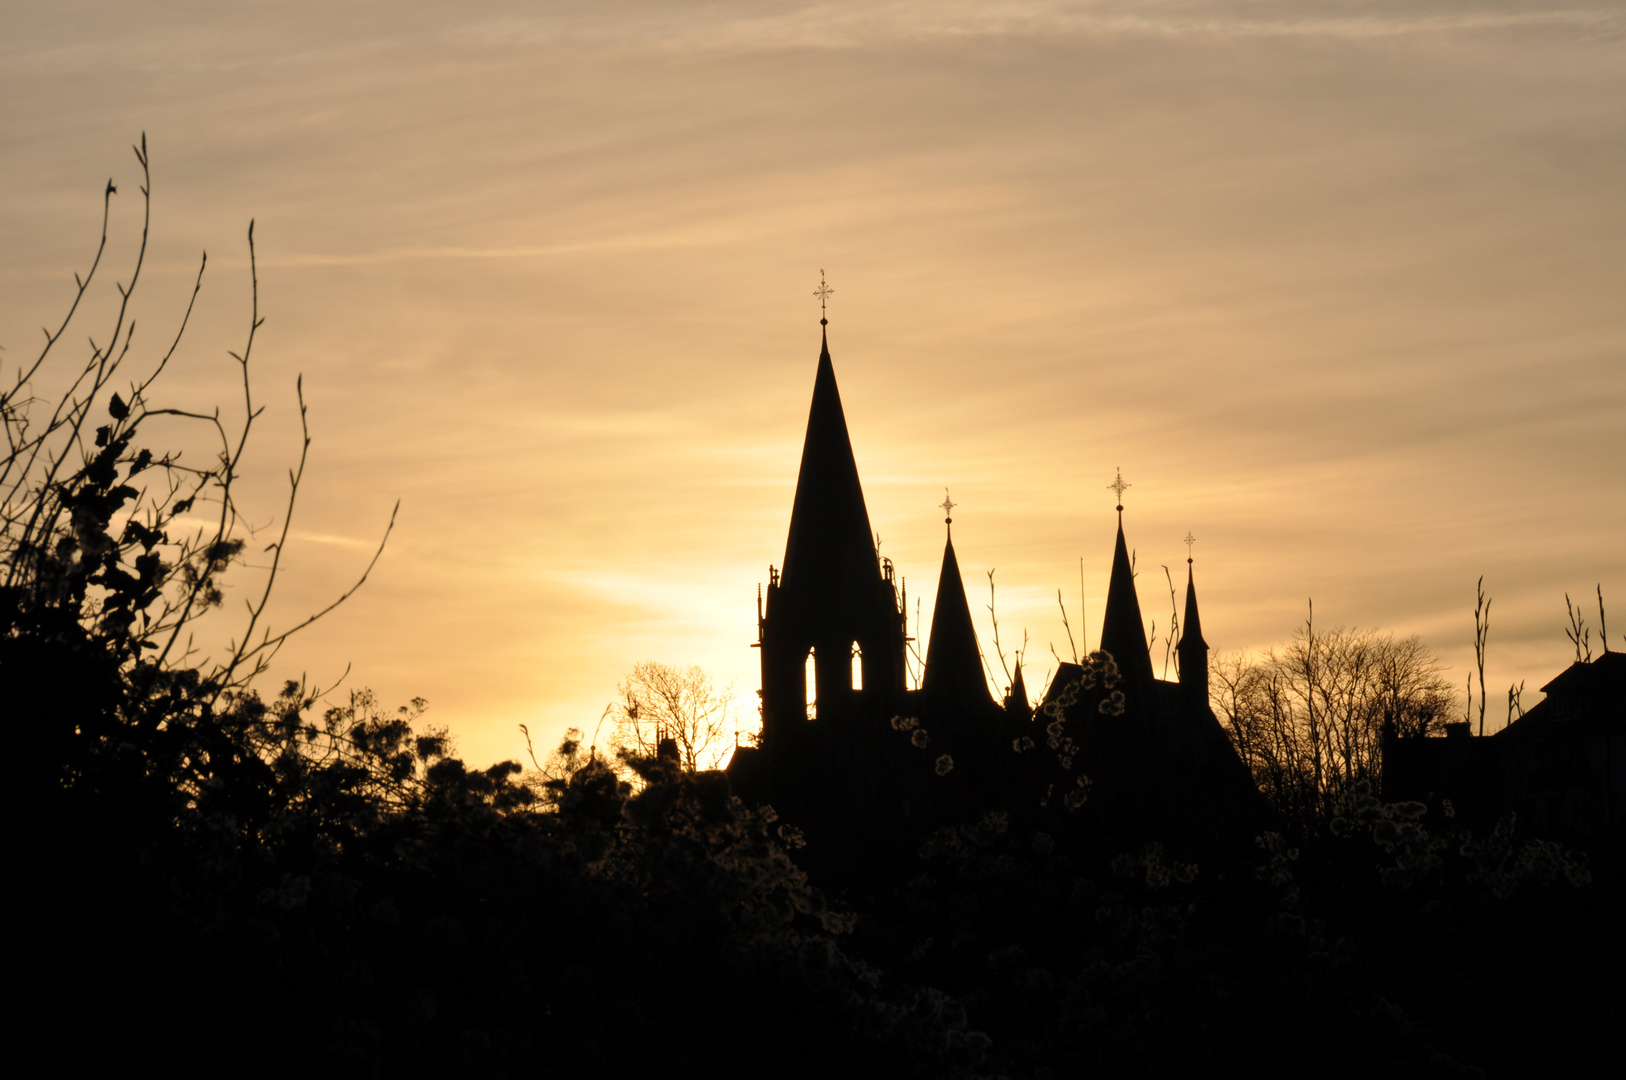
<point x="829" y="552"/>
<point x="953" y="660"/>
<point x="1123" y="632"/>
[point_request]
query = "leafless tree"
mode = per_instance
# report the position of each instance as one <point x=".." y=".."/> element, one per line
<point x="658" y="702"/>
<point x="1308" y="717"/>
<point x="129" y="543"/>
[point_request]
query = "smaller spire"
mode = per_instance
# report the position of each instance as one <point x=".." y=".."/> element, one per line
<point x="1192" y="649"/>
<point x="1191" y="626"/>
<point x="1123" y="633"/>
<point x="1016" y="702"/>
<point x="953" y="659"/>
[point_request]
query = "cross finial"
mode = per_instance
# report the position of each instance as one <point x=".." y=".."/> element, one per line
<point x="948" y="506"/>
<point x="1119" y="485"/>
<point x="1189" y="541"/>
<point x="823" y="293"/>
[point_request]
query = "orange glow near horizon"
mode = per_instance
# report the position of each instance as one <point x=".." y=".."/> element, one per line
<point x="1337" y="285"/>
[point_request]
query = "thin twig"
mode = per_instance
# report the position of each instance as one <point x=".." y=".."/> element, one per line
<point x="1070" y="643"/>
<point x="995" y="620"/>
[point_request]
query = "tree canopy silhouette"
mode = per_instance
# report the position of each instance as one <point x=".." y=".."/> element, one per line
<point x="1308" y="718"/>
<point x="658" y="702"/>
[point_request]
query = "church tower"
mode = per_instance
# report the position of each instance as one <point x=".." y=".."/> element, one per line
<point x="832" y="633"/>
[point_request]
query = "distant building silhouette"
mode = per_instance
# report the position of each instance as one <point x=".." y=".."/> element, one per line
<point x="1561" y="767"/>
<point x="848" y="749"/>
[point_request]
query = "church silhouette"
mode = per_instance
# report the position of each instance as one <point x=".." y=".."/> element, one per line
<point x="851" y="753"/>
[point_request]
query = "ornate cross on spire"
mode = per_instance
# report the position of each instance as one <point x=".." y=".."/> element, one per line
<point x="1119" y="485"/>
<point x="823" y="293"/>
<point x="948" y="506"/>
<point x="1189" y="541"/>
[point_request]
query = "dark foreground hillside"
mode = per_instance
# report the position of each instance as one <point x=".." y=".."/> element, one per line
<point x="378" y="909"/>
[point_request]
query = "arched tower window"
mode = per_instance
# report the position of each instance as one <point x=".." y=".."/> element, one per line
<point x="811" y="677"/>
<point x="858" y="667"/>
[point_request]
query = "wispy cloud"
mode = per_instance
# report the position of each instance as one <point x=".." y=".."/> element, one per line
<point x="859" y="25"/>
<point x="630" y="242"/>
<point x="330" y="540"/>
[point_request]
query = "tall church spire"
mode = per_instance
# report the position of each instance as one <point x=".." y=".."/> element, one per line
<point x="829" y="552"/>
<point x="953" y="660"/>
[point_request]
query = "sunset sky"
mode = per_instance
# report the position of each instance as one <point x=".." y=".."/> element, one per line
<point x="1340" y="286"/>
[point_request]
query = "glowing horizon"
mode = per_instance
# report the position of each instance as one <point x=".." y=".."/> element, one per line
<point x="1337" y="286"/>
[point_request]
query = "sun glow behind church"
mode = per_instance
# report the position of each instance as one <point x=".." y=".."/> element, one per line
<point x="1336" y="285"/>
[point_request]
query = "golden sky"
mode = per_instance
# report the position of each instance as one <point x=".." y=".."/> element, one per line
<point x="1338" y="285"/>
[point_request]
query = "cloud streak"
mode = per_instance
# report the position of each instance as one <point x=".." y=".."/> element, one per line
<point x="867" y="25"/>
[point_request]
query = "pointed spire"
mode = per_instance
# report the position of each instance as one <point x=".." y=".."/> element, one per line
<point x="953" y="661"/>
<point x="829" y="552"/>
<point x="1191" y="626"/>
<point x="1123" y="632"/>
<point x="1016" y="702"/>
<point x="1193" y="650"/>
